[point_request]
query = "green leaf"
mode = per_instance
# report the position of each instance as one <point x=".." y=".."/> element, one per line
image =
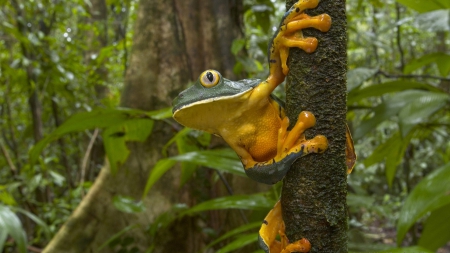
<point x="161" y="167"/>
<point x="224" y="160"/>
<point x="356" y="77"/>
<point x="36" y="220"/>
<point x="239" y="243"/>
<point x="247" y="202"/>
<point x="220" y="159"/>
<point x="430" y="194"/>
<point x="116" y="236"/>
<point x="388" y="87"/>
<point x="237" y="46"/>
<point x="233" y="232"/>
<point x="128" y="204"/>
<point x="420" y="110"/>
<point x="442" y="60"/>
<point x="10" y="224"/>
<point x="98" y="118"/>
<point x="414" y="249"/>
<point x="434" y="21"/>
<point x="436" y="232"/>
<point x="392" y="150"/>
<point x="115" y="138"/>
<point x="423" y="6"/>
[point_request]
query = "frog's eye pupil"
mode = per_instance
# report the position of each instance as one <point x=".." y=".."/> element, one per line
<point x="210" y="76"/>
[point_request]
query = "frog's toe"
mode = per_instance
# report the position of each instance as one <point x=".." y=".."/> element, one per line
<point x="302" y="245"/>
<point x="318" y="144"/>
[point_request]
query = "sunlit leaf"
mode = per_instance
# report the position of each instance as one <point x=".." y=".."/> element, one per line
<point x="128" y="205"/>
<point x="423" y="6"/>
<point x="247" y="202"/>
<point x="430" y="194"/>
<point x="436" y="232"/>
<point x="434" y="21"/>
<point x="239" y="243"/>
<point x="10" y="224"/>
<point x="356" y="77"/>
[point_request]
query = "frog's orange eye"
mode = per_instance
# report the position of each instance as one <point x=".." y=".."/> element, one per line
<point x="209" y="78"/>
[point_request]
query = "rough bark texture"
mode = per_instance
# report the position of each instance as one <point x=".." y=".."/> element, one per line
<point x="314" y="190"/>
<point x="160" y="66"/>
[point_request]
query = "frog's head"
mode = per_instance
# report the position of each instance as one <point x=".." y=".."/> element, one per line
<point x="210" y="100"/>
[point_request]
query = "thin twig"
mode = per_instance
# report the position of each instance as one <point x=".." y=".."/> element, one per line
<point x="8" y="158"/>
<point x="86" y="158"/>
<point x="230" y="191"/>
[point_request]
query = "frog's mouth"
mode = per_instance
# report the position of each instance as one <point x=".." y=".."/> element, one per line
<point x="208" y="113"/>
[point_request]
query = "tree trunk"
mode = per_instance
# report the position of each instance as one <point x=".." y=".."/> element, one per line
<point x="314" y="190"/>
<point x="174" y="42"/>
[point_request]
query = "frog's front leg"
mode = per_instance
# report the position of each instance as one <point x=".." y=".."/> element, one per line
<point x="289" y="34"/>
<point x="272" y="226"/>
<point x="291" y="145"/>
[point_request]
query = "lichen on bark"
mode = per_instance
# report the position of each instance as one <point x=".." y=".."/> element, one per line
<point x="315" y="189"/>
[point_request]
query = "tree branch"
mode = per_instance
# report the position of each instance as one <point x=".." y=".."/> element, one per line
<point x="314" y="190"/>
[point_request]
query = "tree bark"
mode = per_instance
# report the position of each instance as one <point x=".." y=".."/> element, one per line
<point x="314" y="190"/>
<point x="171" y="40"/>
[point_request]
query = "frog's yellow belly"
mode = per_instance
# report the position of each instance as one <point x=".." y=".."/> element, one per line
<point x="259" y="134"/>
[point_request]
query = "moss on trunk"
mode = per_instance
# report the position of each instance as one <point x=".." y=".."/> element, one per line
<point x="315" y="189"/>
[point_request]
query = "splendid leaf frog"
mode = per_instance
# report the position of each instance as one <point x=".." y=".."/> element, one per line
<point x="253" y="122"/>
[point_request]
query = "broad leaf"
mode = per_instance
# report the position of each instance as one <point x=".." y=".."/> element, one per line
<point x="99" y="118"/>
<point x="160" y="168"/>
<point x="442" y="60"/>
<point x="434" y="21"/>
<point x="10" y="225"/>
<point x="436" y="232"/>
<point x="420" y="110"/>
<point x="356" y="77"/>
<point x="392" y="150"/>
<point x="115" y="138"/>
<point x="388" y="87"/>
<point x="248" y="202"/>
<point x="430" y="194"/>
<point x="128" y="204"/>
<point x="424" y="6"/>
<point x="220" y="159"/>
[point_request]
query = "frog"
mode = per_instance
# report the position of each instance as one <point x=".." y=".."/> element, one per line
<point x="253" y="122"/>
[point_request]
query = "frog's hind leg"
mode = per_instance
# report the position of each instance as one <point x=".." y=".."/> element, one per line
<point x="272" y="226"/>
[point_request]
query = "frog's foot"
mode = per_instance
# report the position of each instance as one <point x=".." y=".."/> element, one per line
<point x="290" y="35"/>
<point x="291" y="145"/>
<point x="272" y="226"/>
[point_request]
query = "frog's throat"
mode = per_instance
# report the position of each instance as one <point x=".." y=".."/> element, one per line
<point x="272" y="173"/>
